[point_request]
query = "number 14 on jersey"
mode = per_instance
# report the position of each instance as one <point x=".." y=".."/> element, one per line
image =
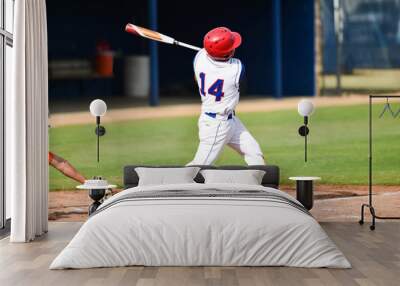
<point x="215" y="89"/>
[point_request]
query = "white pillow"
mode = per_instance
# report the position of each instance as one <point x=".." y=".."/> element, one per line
<point x="166" y="176"/>
<point x="248" y="177"/>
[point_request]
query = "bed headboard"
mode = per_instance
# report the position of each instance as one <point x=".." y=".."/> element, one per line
<point x="270" y="179"/>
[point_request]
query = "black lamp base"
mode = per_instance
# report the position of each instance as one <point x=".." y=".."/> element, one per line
<point x="96" y="195"/>
<point x="304" y="193"/>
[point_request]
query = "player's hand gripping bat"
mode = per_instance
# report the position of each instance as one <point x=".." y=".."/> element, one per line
<point x="153" y="35"/>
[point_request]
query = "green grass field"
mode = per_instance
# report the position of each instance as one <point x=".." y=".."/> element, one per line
<point x="338" y="145"/>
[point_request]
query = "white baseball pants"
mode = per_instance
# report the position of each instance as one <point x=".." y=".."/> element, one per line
<point x="214" y="134"/>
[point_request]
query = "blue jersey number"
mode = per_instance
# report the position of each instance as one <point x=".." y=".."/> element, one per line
<point x="215" y="89"/>
<point x="202" y="78"/>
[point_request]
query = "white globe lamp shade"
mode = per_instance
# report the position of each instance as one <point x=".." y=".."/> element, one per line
<point x="305" y="107"/>
<point x="98" y="107"/>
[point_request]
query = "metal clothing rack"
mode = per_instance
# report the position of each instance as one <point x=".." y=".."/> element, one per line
<point x="370" y="205"/>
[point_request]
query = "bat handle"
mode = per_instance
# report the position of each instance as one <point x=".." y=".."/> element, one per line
<point x="187" y="46"/>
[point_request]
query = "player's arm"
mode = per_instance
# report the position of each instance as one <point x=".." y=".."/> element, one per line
<point x="65" y="167"/>
<point x="194" y="64"/>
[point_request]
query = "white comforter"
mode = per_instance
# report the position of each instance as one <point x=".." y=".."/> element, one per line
<point x="183" y="231"/>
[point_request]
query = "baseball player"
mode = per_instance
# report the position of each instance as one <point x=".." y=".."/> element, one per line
<point x="218" y="76"/>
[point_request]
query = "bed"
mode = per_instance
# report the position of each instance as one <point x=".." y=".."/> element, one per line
<point x="201" y="224"/>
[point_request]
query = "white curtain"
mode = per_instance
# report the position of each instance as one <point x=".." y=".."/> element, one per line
<point x="27" y="123"/>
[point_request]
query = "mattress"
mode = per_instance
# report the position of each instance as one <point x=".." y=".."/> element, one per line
<point x="201" y="225"/>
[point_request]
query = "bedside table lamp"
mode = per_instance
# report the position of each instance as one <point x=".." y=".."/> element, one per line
<point x="98" y="108"/>
<point x="305" y="109"/>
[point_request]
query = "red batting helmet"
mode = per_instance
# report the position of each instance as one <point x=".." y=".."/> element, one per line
<point x="221" y="42"/>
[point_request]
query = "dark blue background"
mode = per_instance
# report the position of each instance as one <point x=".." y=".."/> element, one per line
<point x="74" y="27"/>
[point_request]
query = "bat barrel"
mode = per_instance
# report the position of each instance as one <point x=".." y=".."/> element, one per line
<point x="156" y="36"/>
<point x="130" y="29"/>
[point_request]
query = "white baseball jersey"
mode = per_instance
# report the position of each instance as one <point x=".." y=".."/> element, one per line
<point x="218" y="126"/>
<point x="218" y="83"/>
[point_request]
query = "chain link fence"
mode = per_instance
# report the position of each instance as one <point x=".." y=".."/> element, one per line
<point x="359" y="45"/>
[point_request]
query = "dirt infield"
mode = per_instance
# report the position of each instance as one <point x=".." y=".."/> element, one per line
<point x="191" y="109"/>
<point x="332" y="203"/>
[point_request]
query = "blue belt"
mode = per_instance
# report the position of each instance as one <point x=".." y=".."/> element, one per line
<point x="214" y="115"/>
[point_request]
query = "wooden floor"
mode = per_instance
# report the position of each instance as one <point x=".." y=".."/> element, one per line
<point x="375" y="257"/>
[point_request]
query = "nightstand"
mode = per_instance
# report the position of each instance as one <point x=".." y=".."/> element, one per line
<point x="96" y="191"/>
<point x="304" y="190"/>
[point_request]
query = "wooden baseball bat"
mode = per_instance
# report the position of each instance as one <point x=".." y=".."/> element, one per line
<point x="153" y="35"/>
